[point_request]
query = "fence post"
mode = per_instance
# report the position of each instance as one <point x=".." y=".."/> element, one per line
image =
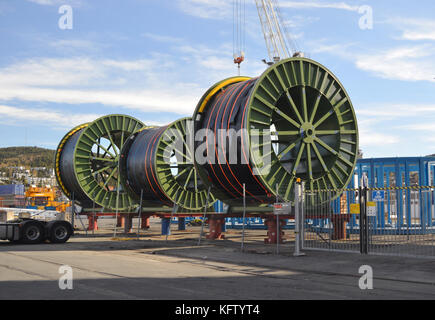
<point x="73" y="204"/>
<point x="298" y="220"/>
<point x="362" y="191"/>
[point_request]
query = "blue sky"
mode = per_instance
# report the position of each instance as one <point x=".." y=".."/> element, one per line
<point x="153" y="59"/>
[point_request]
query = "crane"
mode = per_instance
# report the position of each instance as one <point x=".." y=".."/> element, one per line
<point x="278" y="41"/>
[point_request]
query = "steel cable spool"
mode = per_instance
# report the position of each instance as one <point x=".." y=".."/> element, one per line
<point x="87" y="162"/>
<point x="159" y="162"/>
<point x="294" y="121"/>
<point x="64" y="165"/>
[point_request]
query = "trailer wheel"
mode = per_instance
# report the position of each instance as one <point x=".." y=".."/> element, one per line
<point x="59" y="231"/>
<point x="32" y="232"/>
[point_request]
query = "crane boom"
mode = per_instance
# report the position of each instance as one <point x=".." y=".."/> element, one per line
<point x="272" y="24"/>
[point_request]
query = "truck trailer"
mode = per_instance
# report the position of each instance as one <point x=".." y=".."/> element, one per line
<point x="31" y="231"/>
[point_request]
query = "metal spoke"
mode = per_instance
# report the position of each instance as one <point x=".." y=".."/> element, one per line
<point x="316" y="105"/>
<point x="110" y="176"/>
<point x="293" y="105"/>
<point x="290" y="147"/>
<point x="324" y="145"/>
<point x="122" y="140"/>
<point x="298" y="158"/>
<point x="304" y="102"/>
<point x="321" y="120"/>
<point x="286" y="117"/>
<point x="319" y="156"/>
<point x="102" y="169"/>
<point x="104" y="159"/>
<point x="286" y="133"/>
<point x="325" y="132"/>
<point x="310" y="170"/>
<point x="107" y="151"/>
<point x="181" y="173"/>
<point x="188" y="177"/>
<point x="287" y="192"/>
<point x="182" y="132"/>
<point x="195" y="179"/>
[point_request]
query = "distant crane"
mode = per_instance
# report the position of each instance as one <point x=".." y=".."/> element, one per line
<point x="278" y="41"/>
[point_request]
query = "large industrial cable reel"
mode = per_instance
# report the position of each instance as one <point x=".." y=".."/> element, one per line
<point x="87" y="161"/>
<point x="296" y="121"/>
<point x="157" y="163"/>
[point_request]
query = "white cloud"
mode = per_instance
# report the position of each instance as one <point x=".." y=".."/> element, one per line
<point x="50" y="117"/>
<point x="414" y="29"/>
<point x="317" y="5"/>
<point x="163" y="38"/>
<point x="133" y="84"/>
<point x="429" y="127"/>
<point x="406" y="63"/>
<point x="206" y="9"/>
<point x="403" y="63"/>
<point x="369" y="136"/>
<point x="56" y="2"/>
<point x="135" y="65"/>
<point x="50" y="72"/>
<point x="298" y="21"/>
<point x="72" y="44"/>
<point x="143" y="100"/>
<point x="389" y="111"/>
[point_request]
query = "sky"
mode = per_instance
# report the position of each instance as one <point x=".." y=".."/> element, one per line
<point x="154" y="59"/>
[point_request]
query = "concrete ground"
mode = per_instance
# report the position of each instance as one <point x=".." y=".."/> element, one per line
<point x="152" y="268"/>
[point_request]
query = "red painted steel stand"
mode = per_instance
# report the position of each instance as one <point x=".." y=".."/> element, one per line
<point x="270" y="222"/>
<point x="119" y="221"/>
<point x="92" y="223"/>
<point x="145" y="223"/>
<point x="215" y="227"/>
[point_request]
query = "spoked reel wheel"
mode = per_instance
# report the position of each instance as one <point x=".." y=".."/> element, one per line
<point x="90" y="163"/>
<point x="295" y="121"/>
<point x="159" y="163"/>
<point x="312" y="125"/>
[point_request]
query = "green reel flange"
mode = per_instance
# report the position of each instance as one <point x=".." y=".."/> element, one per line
<point x="89" y="162"/>
<point x="159" y="163"/>
<point x="296" y="121"/>
<point x="313" y="127"/>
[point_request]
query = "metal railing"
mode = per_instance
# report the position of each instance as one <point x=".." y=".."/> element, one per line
<point x="387" y="221"/>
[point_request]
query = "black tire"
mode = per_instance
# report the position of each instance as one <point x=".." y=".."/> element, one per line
<point x="59" y="231"/>
<point x="32" y="232"/>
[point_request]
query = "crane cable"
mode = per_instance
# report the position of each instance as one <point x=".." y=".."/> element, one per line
<point x="239" y="26"/>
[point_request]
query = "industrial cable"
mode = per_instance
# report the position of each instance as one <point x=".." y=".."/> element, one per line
<point x="141" y="168"/>
<point x="228" y="112"/>
<point x="67" y="173"/>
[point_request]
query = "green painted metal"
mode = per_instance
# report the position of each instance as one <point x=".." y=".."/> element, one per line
<point x="300" y="117"/>
<point x="312" y="123"/>
<point x="96" y="157"/>
<point x="57" y="157"/>
<point x="176" y="172"/>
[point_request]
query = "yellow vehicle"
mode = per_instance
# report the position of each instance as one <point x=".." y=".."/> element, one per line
<point x="44" y="198"/>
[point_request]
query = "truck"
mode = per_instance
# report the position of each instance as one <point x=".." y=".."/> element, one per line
<point x="44" y="198"/>
<point x="31" y="231"/>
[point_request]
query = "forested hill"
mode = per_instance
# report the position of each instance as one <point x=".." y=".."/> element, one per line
<point x="26" y="157"/>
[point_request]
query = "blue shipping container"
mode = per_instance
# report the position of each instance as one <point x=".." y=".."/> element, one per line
<point x="12" y="189"/>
